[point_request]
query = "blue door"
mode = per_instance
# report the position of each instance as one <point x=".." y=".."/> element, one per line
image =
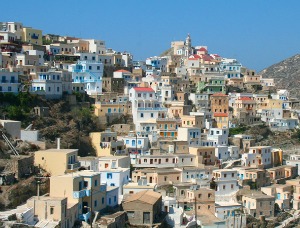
<point x="109" y="110"/>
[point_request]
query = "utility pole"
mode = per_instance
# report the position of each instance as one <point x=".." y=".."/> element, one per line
<point x="196" y="211"/>
<point x="91" y="198"/>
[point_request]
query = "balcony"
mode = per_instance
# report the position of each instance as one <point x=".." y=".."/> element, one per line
<point x="86" y="80"/>
<point x="34" y="36"/>
<point x="120" y="151"/>
<point x="79" y="194"/>
<point x="152" y="109"/>
<point x="85" y="217"/>
<point x="76" y="165"/>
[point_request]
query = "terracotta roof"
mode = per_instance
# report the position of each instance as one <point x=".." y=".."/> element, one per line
<point x="194" y="57"/>
<point x="202" y="49"/>
<point x="147" y="196"/>
<point x="207" y="57"/>
<point x="245" y="98"/>
<point x="219" y="95"/>
<point x="143" y="89"/>
<point x="123" y="71"/>
<point x="220" y="114"/>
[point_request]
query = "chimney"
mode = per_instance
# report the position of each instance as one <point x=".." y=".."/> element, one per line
<point x="58" y="143"/>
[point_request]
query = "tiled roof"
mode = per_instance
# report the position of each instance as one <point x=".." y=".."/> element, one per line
<point x="143" y="89"/>
<point x="220" y="114"/>
<point x="123" y="71"/>
<point x="219" y="95"/>
<point x="245" y="99"/>
<point x="202" y="49"/>
<point x="148" y="196"/>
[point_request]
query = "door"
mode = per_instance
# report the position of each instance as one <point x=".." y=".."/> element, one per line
<point x="146" y="217"/>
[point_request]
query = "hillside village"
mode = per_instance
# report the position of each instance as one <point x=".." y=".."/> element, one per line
<point x="91" y="137"/>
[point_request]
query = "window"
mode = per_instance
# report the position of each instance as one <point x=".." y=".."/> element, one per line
<point x="95" y="203"/>
<point x="9" y="88"/>
<point x="109" y="175"/>
<point x="139" y="95"/>
<point x="199" y="196"/>
<point x="51" y="210"/>
<point x="96" y="183"/>
<point x="57" y="89"/>
<point x="102" y="200"/>
<point x="139" y="142"/>
<point x="90" y="67"/>
<point x="130" y="214"/>
<point x="209" y="195"/>
<point x="152" y="115"/>
<point x="142" y="115"/>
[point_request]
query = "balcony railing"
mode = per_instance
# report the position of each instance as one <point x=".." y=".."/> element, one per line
<point x="76" y="165"/>
<point x="152" y="109"/>
<point x="86" y="80"/>
<point x="79" y="194"/>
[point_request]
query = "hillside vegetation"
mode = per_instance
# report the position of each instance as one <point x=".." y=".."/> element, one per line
<point x="71" y="124"/>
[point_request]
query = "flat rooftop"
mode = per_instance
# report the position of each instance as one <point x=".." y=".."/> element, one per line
<point x="66" y="151"/>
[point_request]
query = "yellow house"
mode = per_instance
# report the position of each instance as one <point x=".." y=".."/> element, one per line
<point x="274" y="104"/>
<point x="167" y="127"/>
<point x="106" y="144"/>
<point x="222" y="120"/>
<point x="106" y="108"/>
<point x="32" y="36"/>
<point x="54" y="210"/>
<point x="83" y="188"/>
<point x="193" y="121"/>
<point x="205" y="155"/>
<point x="57" y="161"/>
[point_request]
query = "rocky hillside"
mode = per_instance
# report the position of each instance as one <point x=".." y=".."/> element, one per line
<point x="286" y="74"/>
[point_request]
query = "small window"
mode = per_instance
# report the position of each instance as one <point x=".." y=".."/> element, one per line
<point x="51" y="210"/>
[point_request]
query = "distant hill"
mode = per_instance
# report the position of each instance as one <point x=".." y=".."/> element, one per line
<point x="286" y="74"/>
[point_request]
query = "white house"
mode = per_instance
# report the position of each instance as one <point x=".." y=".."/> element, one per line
<point x="294" y="160"/>
<point x="115" y="177"/>
<point x="88" y="73"/>
<point x="190" y="134"/>
<point x="96" y="46"/>
<point x="125" y="74"/>
<point x="226" y="181"/>
<point x="133" y="143"/>
<point x="90" y="163"/>
<point x="258" y="156"/>
<point x="222" y="153"/>
<point x="145" y="105"/>
<point x="283" y="124"/>
<point x="9" y="81"/>
<point x="234" y="152"/>
<point x="52" y="84"/>
<point x="218" y="135"/>
<point x="40" y="55"/>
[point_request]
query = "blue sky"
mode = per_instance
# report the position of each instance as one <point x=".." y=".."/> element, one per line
<point x="259" y="33"/>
